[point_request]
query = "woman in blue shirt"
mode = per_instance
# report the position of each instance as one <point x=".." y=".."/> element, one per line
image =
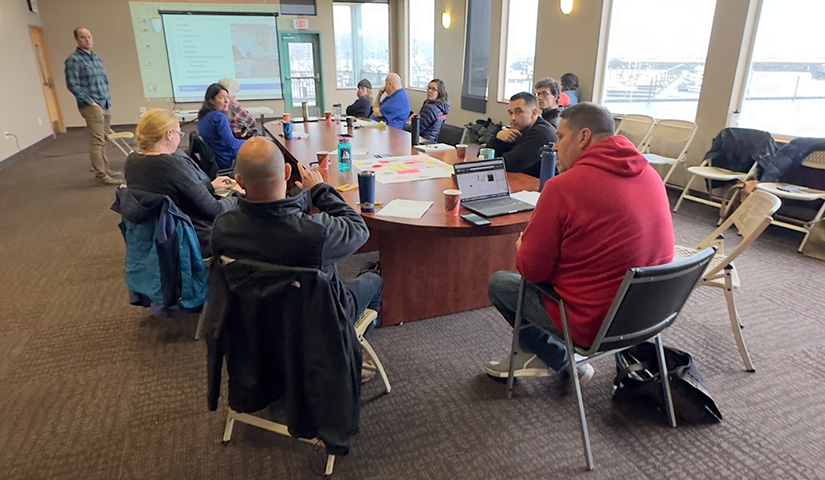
<point x="213" y="125"/>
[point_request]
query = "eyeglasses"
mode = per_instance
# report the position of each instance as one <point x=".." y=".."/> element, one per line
<point x="543" y="94"/>
<point x="432" y="89"/>
<point x="180" y="134"/>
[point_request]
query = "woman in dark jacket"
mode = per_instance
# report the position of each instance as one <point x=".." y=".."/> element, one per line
<point x="362" y="107"/>
<point x="156" y="168"/>
<point x="434" y="111"/>
<point x="214" y="128"/>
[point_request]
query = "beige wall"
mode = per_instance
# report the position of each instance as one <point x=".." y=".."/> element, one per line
<point x="23" y="110"/>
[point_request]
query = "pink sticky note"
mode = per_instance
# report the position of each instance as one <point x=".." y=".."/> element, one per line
<point x="383" y="161"/>
<point x="377" y="166"/>
<point x="411" y="170"/>
<point x="409" y="162"/>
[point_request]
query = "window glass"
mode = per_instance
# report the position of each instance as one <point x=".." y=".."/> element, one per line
<point x="656" y="54"/>
<point x="522" y="18"/>
<point x="422" y="34"/>
<point x="362" y="47"/>
<point x="786" y="86"/>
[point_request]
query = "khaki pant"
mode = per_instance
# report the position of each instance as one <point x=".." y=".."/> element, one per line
<point x="97" y="121"/>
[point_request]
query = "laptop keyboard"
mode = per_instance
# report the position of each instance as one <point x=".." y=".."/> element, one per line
<point x="495" y="202"/>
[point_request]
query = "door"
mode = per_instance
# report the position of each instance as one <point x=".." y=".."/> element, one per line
<point x="46" y="79"/>
<point x="301" y="71"/>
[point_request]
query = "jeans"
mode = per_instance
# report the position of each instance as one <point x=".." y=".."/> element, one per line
<point x="97" y="121"/>
<point x="366" y="292"/>
<point x="502" y="289"/>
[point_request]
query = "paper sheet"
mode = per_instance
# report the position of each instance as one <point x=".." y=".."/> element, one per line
<point x="527" y="197"/>
<point x="405" y="208"/>
<point x="407" y="168"/>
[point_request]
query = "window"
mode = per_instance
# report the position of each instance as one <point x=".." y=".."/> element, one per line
<point x="522" y="18"/>
<point x="365" y="54"/>
<point x="476" y="55"/>
<point x="656" y="56"/>
<point x="786" y="85"/>
<point x="422" y="34"/>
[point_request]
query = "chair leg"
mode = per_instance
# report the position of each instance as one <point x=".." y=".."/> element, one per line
<point x="201" y="319"/>
<point x="671" y="413"/>
<point x="574" y="378"/>
<point x="365" y="345"/>
<point x="230" y="422"/>
<point x="736" y="323"/>
<point x="329" y="466"/>
<point x="813" y="223"/>
<point x="669" y="172"/>
<point x="684" y="193"/>
<point x="515" y="345"/>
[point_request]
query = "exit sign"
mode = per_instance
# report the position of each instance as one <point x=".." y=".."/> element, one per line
<point x="300" y="24"/>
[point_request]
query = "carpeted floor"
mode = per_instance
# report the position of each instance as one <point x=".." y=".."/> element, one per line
<point x="94" y="388"/>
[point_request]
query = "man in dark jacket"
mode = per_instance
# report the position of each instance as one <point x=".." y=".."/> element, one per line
<point x="547" y="93"/>
<point x="270" y="227"/>
<point x="520" y="145"/>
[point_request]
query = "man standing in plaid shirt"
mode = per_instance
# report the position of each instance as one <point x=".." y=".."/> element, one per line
<point x="87" y="81"/>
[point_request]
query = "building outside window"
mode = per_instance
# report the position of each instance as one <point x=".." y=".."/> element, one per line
<point x="522" y="20"/>
<point x="785" y="91"/>
<point x="421" y="17"/>
<point x="362" y="47"/>
<point x="656" y="54"/>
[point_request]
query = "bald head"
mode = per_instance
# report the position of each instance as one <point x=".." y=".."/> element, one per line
<point x="260" y="170"/>
<point x="392" y="83"/>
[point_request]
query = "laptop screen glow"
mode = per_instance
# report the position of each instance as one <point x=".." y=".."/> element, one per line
<point x="482" y="179"/>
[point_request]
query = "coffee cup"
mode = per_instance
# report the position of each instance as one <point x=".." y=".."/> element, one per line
<point x="287" y="117"/>
<point x="461" y="152"/>
<point x="486" y="153"/>
<point x="452" y="201"/>
<point x="328" y="116"/>
<point x="323" y="160"/>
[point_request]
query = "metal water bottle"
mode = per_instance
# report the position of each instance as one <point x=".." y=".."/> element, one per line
<point x="305" y="111"/>
<point x="548" y="164"/>
<point x="415" y="123"/>
<point x="344" y="155"/>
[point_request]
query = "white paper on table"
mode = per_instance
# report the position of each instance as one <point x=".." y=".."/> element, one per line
<point x="405" y="208"/>
<point x="527" y="197"/>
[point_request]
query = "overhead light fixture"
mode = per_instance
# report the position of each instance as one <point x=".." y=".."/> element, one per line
<point x="566" y="6"/>
<point x="446" y="19"/>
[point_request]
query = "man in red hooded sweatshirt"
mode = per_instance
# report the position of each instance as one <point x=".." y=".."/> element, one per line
<point x="606" y="212"/>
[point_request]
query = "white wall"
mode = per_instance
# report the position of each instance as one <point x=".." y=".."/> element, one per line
<point x="23" y="110"/>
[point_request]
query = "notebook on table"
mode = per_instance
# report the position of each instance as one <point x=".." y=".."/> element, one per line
<point x="484" y="188"/>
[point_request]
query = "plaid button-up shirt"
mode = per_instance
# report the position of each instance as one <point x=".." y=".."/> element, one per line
<point x="240" y="120"/>
<point x="87" y="80"/>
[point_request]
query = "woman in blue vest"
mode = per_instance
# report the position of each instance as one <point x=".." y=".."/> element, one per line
<point x="434" y="110"/>
<point x="213" y="125"/>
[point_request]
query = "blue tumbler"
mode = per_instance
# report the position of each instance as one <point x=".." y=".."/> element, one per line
<point x="548" y="164"/>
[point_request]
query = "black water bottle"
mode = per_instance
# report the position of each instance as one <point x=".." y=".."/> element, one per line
<point x="415" y="123"/>
<point x="548" y="164"/>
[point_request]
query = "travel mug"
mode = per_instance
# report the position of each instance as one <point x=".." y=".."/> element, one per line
<point x="366" y="190"/>
<point x="548" y="164"/>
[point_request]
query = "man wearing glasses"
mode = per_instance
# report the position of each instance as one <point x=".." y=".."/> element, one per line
<point x="547" y="92"/>
<point x="520" y="145"/>
<point x="86" y="79"/>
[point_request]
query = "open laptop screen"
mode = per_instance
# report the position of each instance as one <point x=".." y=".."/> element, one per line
<point x="481" y="179"/>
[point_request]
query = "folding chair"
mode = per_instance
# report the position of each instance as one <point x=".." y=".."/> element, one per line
<point x="668" y="143"/>
<point x="731" y="145"/>
<point x="751" y="219"/>
<point x="648" y="300"/>
<point x="119" y="140"/>
<point x="636" y="128"/>
<point x="797" y="192"/>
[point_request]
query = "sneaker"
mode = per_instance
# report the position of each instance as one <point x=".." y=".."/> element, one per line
<point x="586" y="372"/>
<point x="107" y="180"/>
<point x="113" y="173"/>
<point x="526" y="364"/>
<point x="367" y="371"/>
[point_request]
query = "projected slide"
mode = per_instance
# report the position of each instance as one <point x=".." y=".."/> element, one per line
<point x="204" y="47"/>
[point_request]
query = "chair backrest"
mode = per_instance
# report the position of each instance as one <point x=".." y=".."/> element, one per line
<point x="635" y="128"/>
<point x="670" y="138"/>
<point x="648" y="301"/>
<point x="202" y="154"/>
<point x="750" y="220"/>
<point x="815" y="159"/>
<point x="451" y="135"/>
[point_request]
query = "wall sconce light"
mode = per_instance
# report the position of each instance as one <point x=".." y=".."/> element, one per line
<point x="566" y="6"/>
<point x="446" y="19"/>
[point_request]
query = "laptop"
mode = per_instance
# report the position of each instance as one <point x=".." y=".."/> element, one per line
<point x="484" y="188"/>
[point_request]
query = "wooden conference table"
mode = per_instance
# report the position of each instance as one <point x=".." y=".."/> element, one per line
<point x="431" y="266"/>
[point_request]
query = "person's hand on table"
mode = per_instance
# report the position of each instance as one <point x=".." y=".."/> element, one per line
<point x="309" y="178"/>
<point x="222" y="182"/>
<point x="238" y="189"/>
<point x="508" y="135"/>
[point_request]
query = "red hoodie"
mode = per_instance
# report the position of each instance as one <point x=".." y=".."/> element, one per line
<point x="606" y="214"/>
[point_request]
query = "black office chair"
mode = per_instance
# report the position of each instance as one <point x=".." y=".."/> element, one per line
<point x="451" y="135"/>
<point x="648" y="300"/>
<point x="202" y="154"/>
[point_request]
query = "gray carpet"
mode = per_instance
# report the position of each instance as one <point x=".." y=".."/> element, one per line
<point x="94" y="388"/>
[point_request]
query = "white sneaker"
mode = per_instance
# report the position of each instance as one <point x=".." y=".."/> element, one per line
<point x="526" y="364"/>
<point x="586" y="372"/>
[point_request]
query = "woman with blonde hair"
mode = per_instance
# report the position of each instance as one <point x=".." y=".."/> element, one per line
<point x="159" y="167"/>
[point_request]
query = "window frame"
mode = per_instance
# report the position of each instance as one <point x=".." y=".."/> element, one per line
<point x="356" y="21"/>
<point x="408" y="46"/>
<point x="505" y="33"/>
